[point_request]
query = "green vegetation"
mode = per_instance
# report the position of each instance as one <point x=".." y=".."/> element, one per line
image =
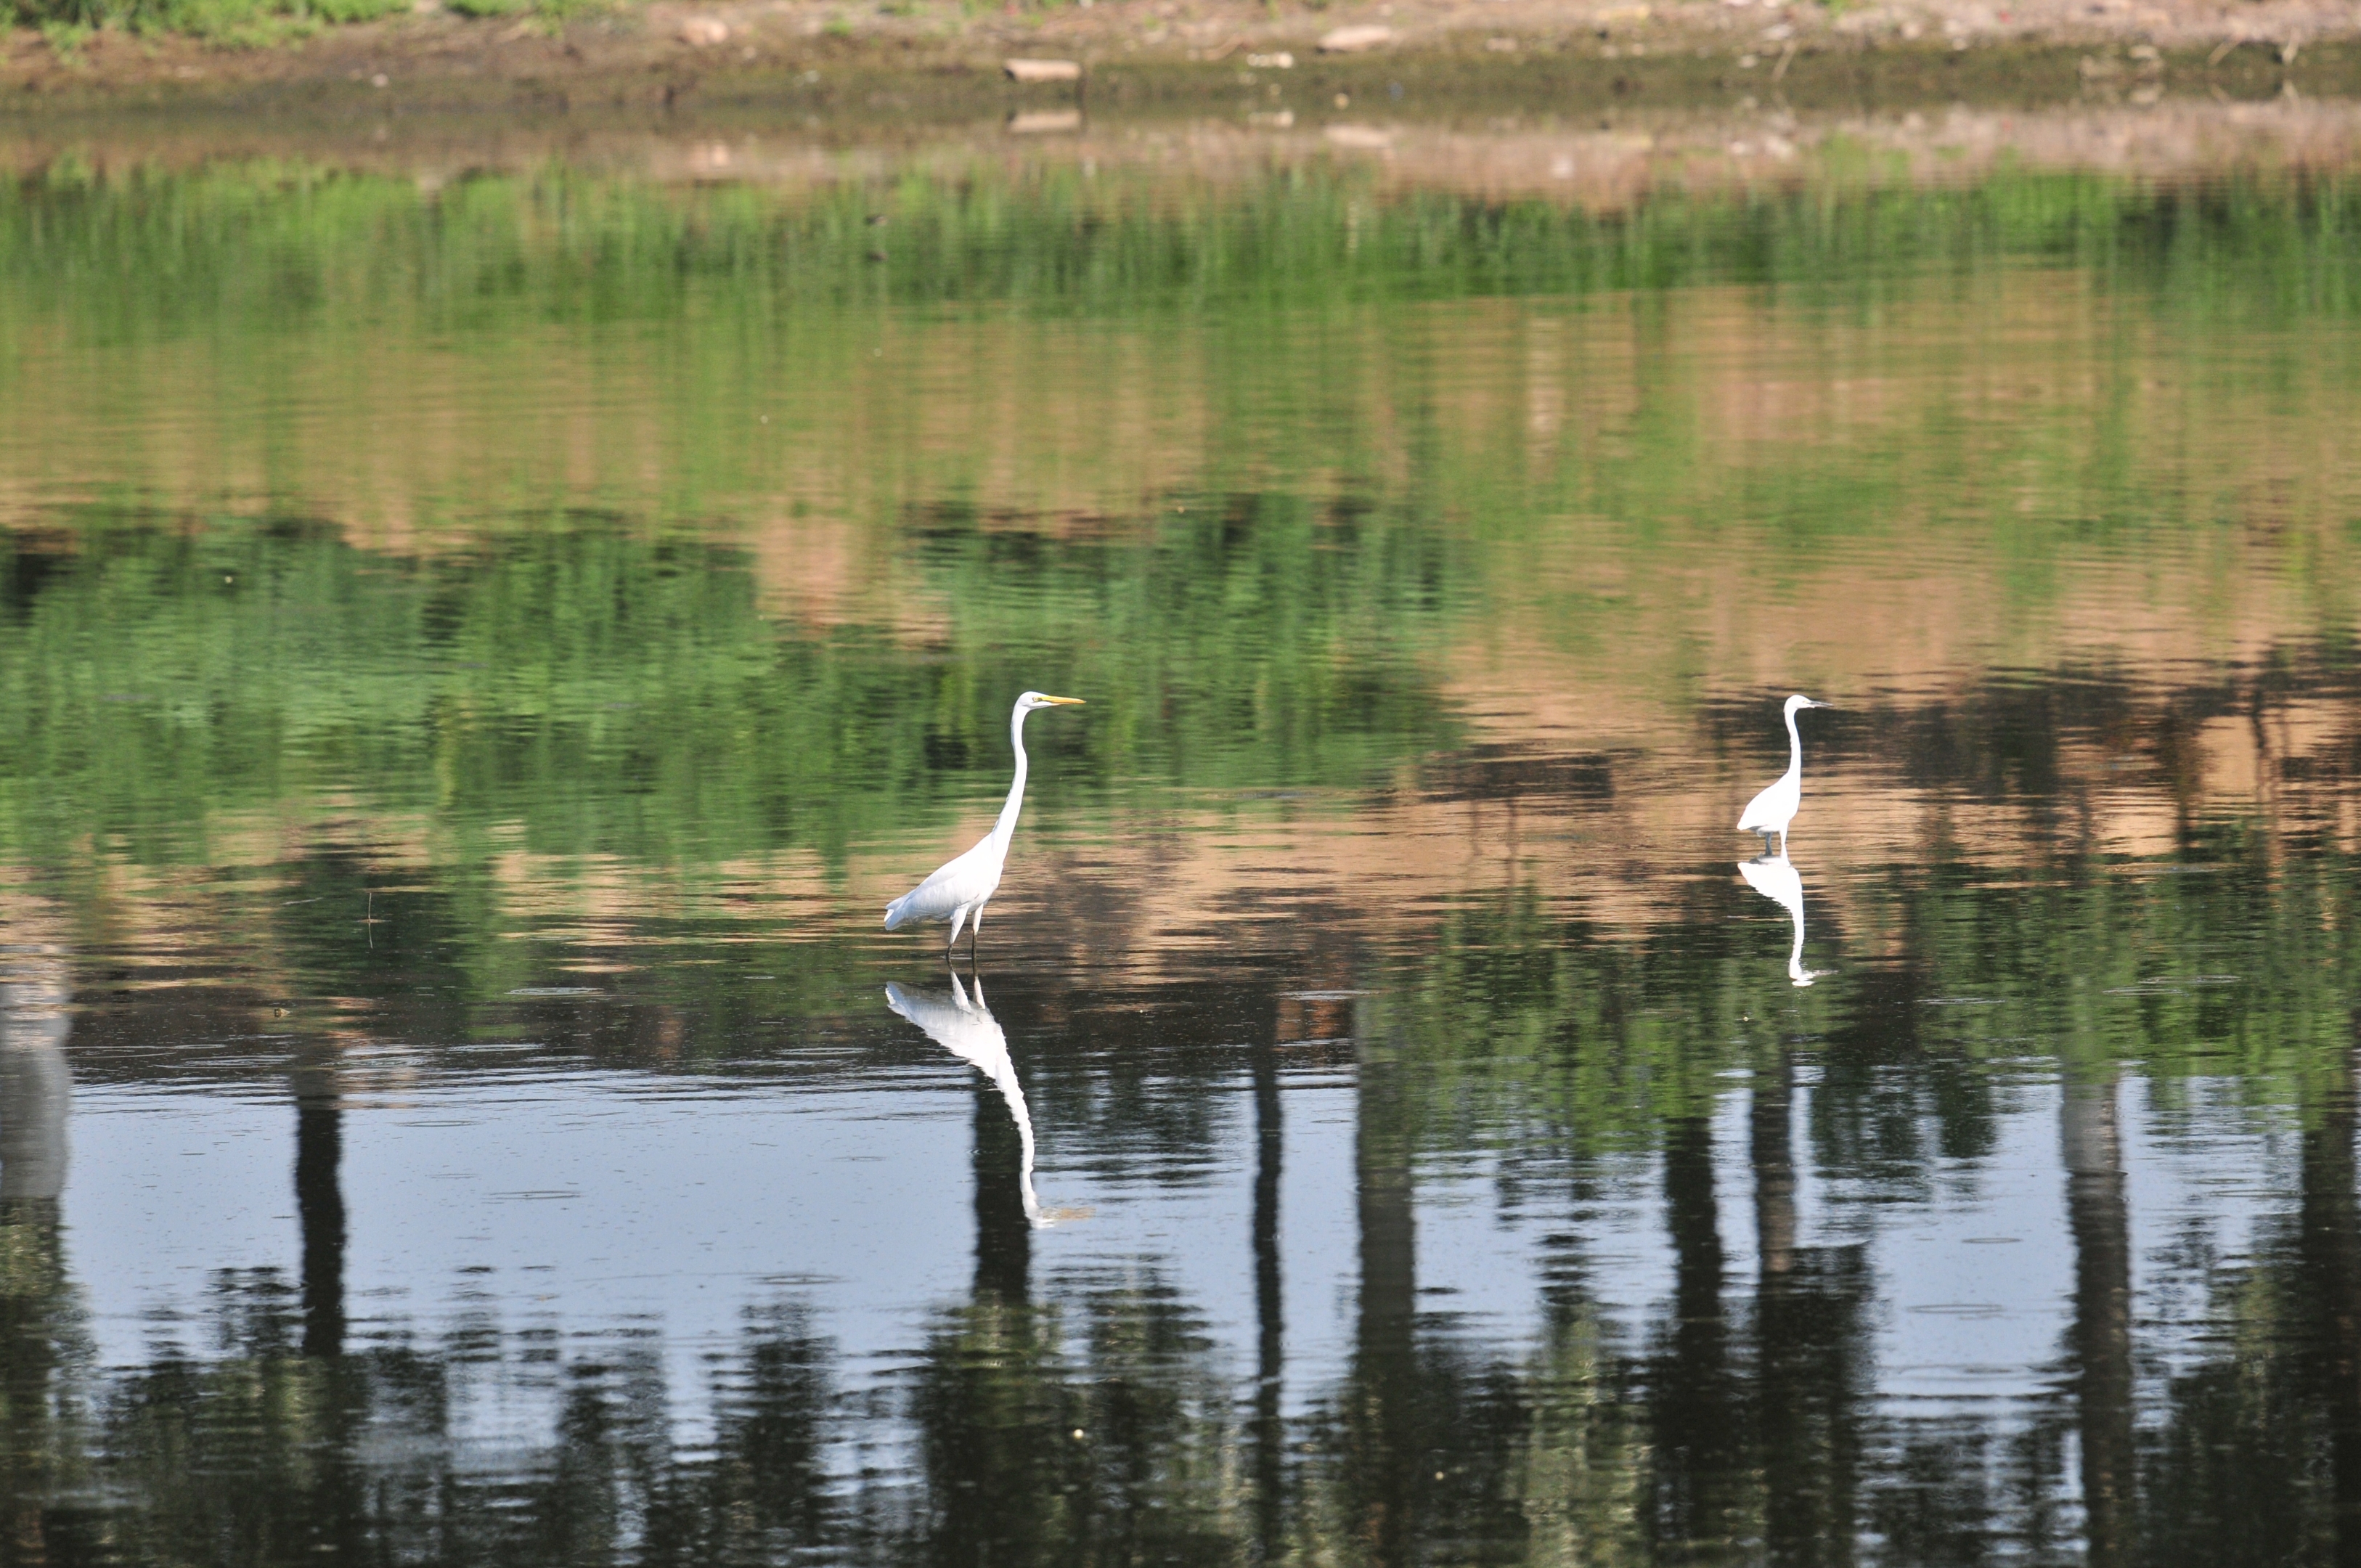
<point x="249" y="22"/>
<point x="67" y="24"/>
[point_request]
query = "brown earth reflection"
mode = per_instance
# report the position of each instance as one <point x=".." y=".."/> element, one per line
<point x="1531" y="140"/>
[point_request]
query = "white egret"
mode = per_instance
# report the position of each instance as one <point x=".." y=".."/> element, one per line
<point x="959" y="889"/>
<point x="1775" y="878"/>
<point x="968" y="1030"/>
<point x="1770" y="811"/>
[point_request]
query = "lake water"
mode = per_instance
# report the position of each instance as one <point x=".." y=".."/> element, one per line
<point x="480" y="652"/>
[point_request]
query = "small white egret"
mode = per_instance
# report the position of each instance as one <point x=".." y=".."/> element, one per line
<point x="959" y="889"/>
<point x="1775" y="877"/>
<point x="1770" y="811"/>
<point x="968" y="1030"/>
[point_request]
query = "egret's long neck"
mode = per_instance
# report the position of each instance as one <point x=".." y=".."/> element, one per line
<point x="1795" y="953"/>
<point x="1795" y="752"/>
<point x="1007" y="826"/>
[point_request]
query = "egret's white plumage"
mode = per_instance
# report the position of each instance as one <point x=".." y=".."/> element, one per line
<point x="959" y="889"/>
<point x="1775" y="877"/>
<point x="968" y="1030"/>
<point x="1770" y="811"/>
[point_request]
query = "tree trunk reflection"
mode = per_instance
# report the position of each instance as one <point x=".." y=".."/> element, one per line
<point x="320" y="1202"/>
<point x="38" y="1325"/>
<point x="2331" y="1257"/>
<point x="1270" y="1434"/>
<point x="1385" y="1373"/>
<point x="1004" y="1236"/>
<point x="1700" y="1429"/>
<point x="2100" y="1218"/>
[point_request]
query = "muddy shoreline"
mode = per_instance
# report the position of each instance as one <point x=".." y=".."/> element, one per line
<point x="1609" y="162"/>
<point x="790" y="61"/>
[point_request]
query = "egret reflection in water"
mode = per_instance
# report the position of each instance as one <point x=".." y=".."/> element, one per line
<point x="968" y="1030"/>
<point x="1775" y="878"/>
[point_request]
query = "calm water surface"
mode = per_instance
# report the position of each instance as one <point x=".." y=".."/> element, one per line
<point x="478" y="657"/>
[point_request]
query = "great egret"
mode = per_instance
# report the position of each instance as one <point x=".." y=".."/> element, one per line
<point x="1774" y="878"/>
<point x="968" y="1030"/>
<point x="1770" y="811"/>
<point x="959" y="889"/>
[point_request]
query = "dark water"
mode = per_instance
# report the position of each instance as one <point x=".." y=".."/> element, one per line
<point x="477" y="658"/>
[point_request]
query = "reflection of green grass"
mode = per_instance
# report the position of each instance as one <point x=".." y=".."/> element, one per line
<point x="625" y="697"/>
<point x="1527" y="1033"/>
<point x="2256" y="249"/>
<point x="614" y="684"/>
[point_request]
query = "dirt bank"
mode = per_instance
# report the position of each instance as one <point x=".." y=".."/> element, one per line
<point x="932" y="59"/>
<point x="1602" y="162"/>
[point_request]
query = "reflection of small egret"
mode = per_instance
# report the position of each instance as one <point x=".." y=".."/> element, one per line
<point x="1770" y="811"/>
<point x="959" y="889"/>
<point x="1774" y="878"/>
<point x="968" y="1030"/>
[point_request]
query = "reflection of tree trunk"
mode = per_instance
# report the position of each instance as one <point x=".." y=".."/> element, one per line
<point x="337" y="1495"/>
<point x="1809" y="1354"/>
<point x="1699" y="1424"/>
<point x="320" y="1207"/>
<point x="35" y="1091"/>
<point x="2101" y="1219"/>
<point x="2331" y="1256"/>
<point x="1790" y="1522"/>
<point x="1004" y="1236"/>
<point x="1774" y="1168"/>
<point x="38" y="1325"/>
<point x="1270" y="1438"/>
<point x="1385" y="1369"/>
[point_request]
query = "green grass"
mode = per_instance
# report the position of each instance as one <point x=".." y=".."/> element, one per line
<point x="67" y="25"/>
<point x="66" y="38"/>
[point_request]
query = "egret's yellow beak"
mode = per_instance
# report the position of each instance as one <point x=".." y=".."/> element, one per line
<point x="1062" y="701"/>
